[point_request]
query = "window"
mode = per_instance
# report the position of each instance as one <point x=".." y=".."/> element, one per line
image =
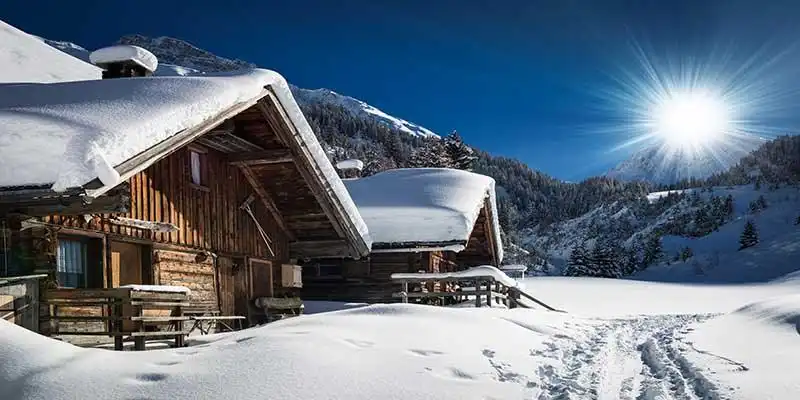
<point x="196" y="160"/>
<point x="71" y="264"/>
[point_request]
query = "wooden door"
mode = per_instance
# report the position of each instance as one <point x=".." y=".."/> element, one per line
<point x="261" y="271"/>
<point x="126" y="269"/>
<point x="126" y="264"/>
<point x="241" y="288"/>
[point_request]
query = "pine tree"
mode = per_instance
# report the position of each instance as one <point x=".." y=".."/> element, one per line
<point x="652" y="250"/>
<point x="762" y="202"/>
<point x="702" y="222"/>
<point x="431" y="154"/>
<point x="578" y="263"/>
<point x="630" y="262"/>
<point x="460" y="154"/>
<point x="602" y="261"/>
<point x="749" y="237"/>
<point x="686" y="253"/>
<point x="728" y="207"/>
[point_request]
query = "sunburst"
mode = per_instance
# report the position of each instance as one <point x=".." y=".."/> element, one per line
<point x="716" y="106"/>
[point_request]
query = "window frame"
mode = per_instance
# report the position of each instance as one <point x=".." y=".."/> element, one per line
<point x="84" y="249"/>
<point x="198" y="176"/>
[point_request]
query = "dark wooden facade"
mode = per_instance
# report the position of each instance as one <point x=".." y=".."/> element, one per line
<point x="253" y="158"/>
<point x="369" y="279"/>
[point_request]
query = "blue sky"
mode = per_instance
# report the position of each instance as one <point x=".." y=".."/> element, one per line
<point x="515" y="78"/>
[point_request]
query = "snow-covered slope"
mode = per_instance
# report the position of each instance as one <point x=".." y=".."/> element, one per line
<point x="360" y="108"/>
<point x="716" y="257"/>
<point x="659" y="165"/>
<point x="27" y="58"/>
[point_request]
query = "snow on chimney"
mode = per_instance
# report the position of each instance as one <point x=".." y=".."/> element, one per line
<point x="350" y="168"/>
<point x="124" y="61"/>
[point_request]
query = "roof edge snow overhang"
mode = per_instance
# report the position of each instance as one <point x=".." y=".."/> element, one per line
<point x="416" y="247"/>
<point x="312" y="169"/>
<point x="155" y="153"/>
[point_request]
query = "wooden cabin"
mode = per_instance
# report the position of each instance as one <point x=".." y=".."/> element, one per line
<point x="222" y="197"/>
<point x="420" y="220"/>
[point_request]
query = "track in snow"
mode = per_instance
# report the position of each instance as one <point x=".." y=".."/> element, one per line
<point x="639" y="358"/>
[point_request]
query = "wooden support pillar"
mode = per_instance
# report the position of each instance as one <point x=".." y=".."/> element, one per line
<point x="116" y="323"/>
<point x="405" y="292"/>
<point x="478" y="293"/>
<point x="138" y="341"/>
<point x="179" y="339"/>
<point x="488" y="293"/>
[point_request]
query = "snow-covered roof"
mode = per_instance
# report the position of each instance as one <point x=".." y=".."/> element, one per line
<point x="437" y="207"/>
<point x="65" y="135"/>
<point x="124" y="52"/>
<point x="350" y="164"/>
<point x="27" y="58"/>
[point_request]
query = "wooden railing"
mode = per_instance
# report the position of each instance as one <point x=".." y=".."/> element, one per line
<point x="120" y="311"/>
<point x="19" y="300"/>
<point x="480" y="287"/>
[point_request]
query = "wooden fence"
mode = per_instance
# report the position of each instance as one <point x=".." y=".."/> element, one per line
<point x="485" y="287"/>
<point x="19" y="300"/>
<point x="119" y="312"/>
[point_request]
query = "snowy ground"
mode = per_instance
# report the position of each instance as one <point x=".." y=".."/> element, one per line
<point x="621" y="340"/>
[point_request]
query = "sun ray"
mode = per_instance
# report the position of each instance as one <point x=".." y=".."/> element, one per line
<point x="718" y="106"/>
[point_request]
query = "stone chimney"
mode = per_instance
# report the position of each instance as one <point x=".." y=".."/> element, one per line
<point x="124" y="61"/>
<point x="350" y="168"/>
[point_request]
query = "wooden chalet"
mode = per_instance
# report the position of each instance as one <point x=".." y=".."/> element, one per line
<point x="224" y="200"/>
<point x="421" y="220"/>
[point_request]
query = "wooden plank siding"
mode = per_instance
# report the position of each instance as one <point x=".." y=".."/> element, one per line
<point x="208" y="218"/>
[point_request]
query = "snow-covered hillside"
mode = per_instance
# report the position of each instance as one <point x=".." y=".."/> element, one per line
<point x="27" y="58"/>
<point x="659" y="165"/>
<point x="360" y="108"/>
<point x="715" y="255"/>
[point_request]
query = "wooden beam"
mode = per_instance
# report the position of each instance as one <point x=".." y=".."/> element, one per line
<point x="266" y="199"/>
<point x="312" y="173"/>
<point x="319" y="248"/>
<point x="276" y="156"/>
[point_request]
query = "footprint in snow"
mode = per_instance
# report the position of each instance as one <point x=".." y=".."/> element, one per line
<point x="362" y="344"/>
<point x="148" y="378"/>
<point x="425" y="353"/>
<point x="166" y="363"/>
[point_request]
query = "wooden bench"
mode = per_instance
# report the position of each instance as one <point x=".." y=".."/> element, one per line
<point x="205" y="317"/>
<point x="214" y="321"/>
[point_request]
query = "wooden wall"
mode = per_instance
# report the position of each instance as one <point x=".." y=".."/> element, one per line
<point x="369" y="279"/>
<point x="208" y="217"/>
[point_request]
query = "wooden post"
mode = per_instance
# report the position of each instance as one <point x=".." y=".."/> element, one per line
<point x="116" y="323"/>
<point x="488" y="293"/>
<point x="478" y="293"/>
<point x="138" y="341"/>
<point x="179" y="339"/>
<point x="512" y="298"/>
<point x="405" y="292"/>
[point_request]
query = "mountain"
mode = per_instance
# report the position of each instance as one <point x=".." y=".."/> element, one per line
<point x="178" y="52"/>
<point x="27" y="58"/>
<point x="662" y="166"/>
<point x="360" y="108"/>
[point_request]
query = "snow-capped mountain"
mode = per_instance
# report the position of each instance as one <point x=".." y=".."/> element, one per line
<point x="26" y="58"/>
<point x="193" y="59"/>
<point x="359" y="108"/>
<point x="178" y="52"/>
<point x="657" y="165"/>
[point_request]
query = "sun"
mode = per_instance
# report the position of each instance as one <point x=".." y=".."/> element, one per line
<point x="690" y="119"/>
